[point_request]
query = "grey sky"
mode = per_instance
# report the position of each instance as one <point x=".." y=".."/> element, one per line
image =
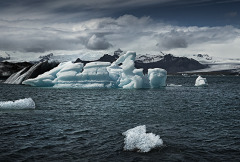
<point x="144" y="26"/>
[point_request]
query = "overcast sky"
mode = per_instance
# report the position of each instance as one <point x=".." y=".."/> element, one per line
<point x="36" y="27"/>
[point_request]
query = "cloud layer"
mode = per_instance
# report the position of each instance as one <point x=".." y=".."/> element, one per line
<point x="47" y="26"/>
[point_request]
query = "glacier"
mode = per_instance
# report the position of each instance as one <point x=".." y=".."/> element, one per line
<point x="137" y="139"/>
<point x="119" y="74"/>
<point x="26" y="103"/>
<point x="200" y="81"/>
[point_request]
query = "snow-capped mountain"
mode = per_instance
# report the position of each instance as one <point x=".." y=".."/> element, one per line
<point x="208" y="59"/>
<point x="216" y="63"/>
<point x="172" y="64"/>
<point x="4" y="56"/>
<point x="203" y="58"/>
<point x="149" y="58"/>
<point x="157" y="60"/>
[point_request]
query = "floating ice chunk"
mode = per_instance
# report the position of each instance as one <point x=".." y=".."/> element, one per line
<point x="46" y="79"/>
<point x="157" y="77"/>
<point x="138" y="72"/>
<point x="119" y="74"/>
<point x="95" y="75"/>
<point x="68" y="72"/>
<point x="65" y="76"/>
<point x="96" y="64"/>
<point x="26" y="103"/>
<point x="127" y="76"/>
<point x="75" y="75"/>
<point x="114" y="72"/>
<point x="137" y="139"/>
<point x="131" y="82"/>
<point x="94" y="71"/>
<point x="201" y="81"/>
<point x="72" y="67"/>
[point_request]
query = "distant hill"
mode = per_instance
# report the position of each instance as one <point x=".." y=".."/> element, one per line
<point x="172" y="64"/>
<point x="168" y="62"/>
<point x="8" y="68"/>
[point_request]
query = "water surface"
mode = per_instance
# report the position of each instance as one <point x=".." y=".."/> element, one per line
<point x="195" y="123"/>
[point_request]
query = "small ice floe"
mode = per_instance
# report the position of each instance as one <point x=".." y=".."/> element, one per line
<point x="185" y="75"/>
<point x="137" y="139"/>
<point x="26" y="103"/>
<point x="200" y="81"/>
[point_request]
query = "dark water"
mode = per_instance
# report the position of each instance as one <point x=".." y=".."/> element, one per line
<point x="195" y="124"/>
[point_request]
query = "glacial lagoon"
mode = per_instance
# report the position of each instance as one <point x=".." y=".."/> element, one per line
<point x="68" y="124"/>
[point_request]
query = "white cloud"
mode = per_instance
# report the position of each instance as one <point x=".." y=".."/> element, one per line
<point x="141" y="34"/>
<point x="97" y="43"/>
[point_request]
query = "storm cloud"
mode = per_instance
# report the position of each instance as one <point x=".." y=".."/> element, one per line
<point x="44" y="26"/>
<point x="37" y="40"/>
<point x="171" y="43"/>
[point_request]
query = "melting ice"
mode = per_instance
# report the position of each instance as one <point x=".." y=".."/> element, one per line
<point x="137" y="139"/>
<point x="119" y="74"/>
<point x="201" y="81"/>
<point x="26" y="103"/>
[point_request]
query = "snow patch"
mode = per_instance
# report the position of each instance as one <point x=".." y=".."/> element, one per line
<point x="149" y="58"/>
<point x="137" y="139"/>
<point x="4" y="56"/>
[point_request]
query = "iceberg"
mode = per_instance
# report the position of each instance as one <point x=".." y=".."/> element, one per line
<point x="157" y="77"/>
<point x="119" y="74"/>
<point x="127" y="76"/>
<point x="26" y="103"/>
<point x="137" y="139"/>
<point x="201" y="81"/>
<point x="46" y="79"/>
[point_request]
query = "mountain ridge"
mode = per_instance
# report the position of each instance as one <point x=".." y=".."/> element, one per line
<point x="203" y="64"/>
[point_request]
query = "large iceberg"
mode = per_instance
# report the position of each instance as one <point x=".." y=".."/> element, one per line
<point x="119" y="74"/>
<point x="137" y="139"/>
<point x="200" y="81"/>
